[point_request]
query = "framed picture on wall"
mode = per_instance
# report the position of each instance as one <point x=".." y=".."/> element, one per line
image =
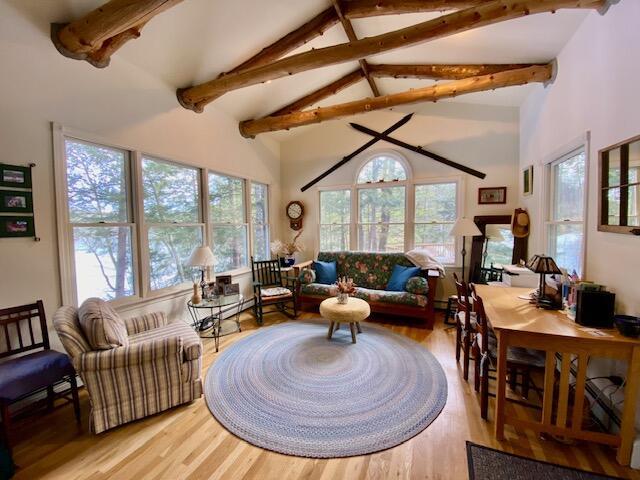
<point x="527" y="180"/>
<point x="17" y="227"/>
<point x="492" y="195"/>
<point x="15" y="201"/>
<point x="15" y="176"/>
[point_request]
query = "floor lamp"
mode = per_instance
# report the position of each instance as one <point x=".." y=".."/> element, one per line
<point x="465" y="227"/>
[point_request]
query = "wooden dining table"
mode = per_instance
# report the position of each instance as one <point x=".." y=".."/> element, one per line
<point x="568" y="347"/>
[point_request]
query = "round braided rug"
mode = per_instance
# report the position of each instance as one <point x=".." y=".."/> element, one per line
<point x="288" y="389"/>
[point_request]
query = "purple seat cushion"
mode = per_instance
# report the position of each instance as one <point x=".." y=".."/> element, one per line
<point x="22" y="375"/>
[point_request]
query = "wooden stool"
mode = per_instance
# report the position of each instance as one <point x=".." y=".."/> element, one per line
<point x="353" y="312"/>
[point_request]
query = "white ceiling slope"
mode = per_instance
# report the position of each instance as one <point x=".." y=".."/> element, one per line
<point x="198" y="39"/>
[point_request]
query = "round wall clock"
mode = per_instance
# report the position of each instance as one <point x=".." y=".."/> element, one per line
<point x="295" y="212"/>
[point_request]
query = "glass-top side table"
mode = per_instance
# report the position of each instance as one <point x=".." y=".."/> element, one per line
<point x="208" y="315"/>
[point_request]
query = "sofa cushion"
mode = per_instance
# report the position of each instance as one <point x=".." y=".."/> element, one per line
<point x="190" y="340"/>
<point x="417" y="285"/>
<point x="101" y="325"/>
<point x="326" y="272"/>
<point x="369" y="295"/>
<point x="319" y="289"/>
<point x="384" y="296"/>
<point x="307" y="275"/>
<point x="22" y="375"/>
<point x="400" y="276"/>
<point x="367" y="269"/>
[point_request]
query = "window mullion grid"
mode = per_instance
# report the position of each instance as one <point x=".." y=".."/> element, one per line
<point x="141" y="250"/>
<point x="246" y="190"/>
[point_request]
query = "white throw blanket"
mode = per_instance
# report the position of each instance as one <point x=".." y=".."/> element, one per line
<point x="421" y="257"/>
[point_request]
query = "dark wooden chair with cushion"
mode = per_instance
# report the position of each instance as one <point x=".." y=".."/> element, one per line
<point x="270" y="288"/>
<point x="38" y="370"/>
<point x="520" y="361"/>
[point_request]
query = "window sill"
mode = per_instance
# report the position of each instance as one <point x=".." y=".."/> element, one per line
<point x="170" y="293"/>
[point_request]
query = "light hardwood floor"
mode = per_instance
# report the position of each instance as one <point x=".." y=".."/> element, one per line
<point x="188" y="443"/>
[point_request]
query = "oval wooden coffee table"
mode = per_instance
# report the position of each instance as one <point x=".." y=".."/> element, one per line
<point x="353" y="312"/>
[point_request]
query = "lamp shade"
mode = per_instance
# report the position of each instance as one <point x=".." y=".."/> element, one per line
<point x="494" y="233"/>
<point x="201" y="257"/>
<point x="465" y="227"/>
<point x="542" y="264"/>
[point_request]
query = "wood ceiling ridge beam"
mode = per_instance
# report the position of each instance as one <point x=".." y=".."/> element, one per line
<point x="441" y="71"/>
<point x="351" y="35"/>
<point x="97" y="35"/>
<point x="321" y="93"/>
<point x="536" y="73"/>
<point x="370" y="8"/>
<point x="488" y="13"/>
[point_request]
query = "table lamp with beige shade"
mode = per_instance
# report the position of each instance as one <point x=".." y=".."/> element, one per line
<point x="201" y="257"/>
<point x="465" y="227"/>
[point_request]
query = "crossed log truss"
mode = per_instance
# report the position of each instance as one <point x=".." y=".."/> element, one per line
<point x="96" y="36"/>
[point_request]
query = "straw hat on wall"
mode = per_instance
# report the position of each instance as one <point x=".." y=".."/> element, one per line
<point x="520" y="225"/>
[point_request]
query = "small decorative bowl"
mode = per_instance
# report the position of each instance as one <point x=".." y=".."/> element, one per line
<point x="627" y="325"/>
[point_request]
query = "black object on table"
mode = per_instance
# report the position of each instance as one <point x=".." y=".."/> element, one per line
<point x="213" y="319"/>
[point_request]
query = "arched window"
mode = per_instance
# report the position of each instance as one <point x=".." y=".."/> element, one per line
<point x="382" y="168"/>
<point x="381" y="201"/>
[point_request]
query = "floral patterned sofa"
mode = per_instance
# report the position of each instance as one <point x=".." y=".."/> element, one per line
<point x="371" y="272"/>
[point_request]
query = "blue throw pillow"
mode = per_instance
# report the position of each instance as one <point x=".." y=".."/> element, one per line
<point x="326" y="272"/>
<point x="400" y="276"/>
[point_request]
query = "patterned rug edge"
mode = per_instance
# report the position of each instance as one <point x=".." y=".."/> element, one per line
<point x="470" y="445"/>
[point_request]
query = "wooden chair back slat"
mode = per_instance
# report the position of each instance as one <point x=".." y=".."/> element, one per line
<point x="18" y="320"/>
<point x="481" y="319"/>
<point x="464" y="300"/>
<point x="266" y="272"/>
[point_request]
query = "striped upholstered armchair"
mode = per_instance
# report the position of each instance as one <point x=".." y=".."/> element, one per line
<point x="149" y="366"/>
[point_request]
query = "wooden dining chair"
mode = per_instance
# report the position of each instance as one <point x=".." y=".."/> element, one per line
<point x="520" y="361"/>
<point x="37" y="368"/>
<point x="465" y="325"/>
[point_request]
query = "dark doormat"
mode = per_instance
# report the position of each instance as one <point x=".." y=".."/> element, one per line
<point x="488" y="464"/>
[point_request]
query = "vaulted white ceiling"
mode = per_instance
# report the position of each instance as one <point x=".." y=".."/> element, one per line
<point x="198" y="39"/>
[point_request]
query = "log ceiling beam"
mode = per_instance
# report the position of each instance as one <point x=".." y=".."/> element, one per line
<point x="97" y="35"/>
<point x="440" y="72"/>
<point x="487" y="13"/>
<point x="372" y="8"/>
<point x="278" y="49"/>
<point x="292" y="40"/>
<point x="251" y="128"/>
<point x="322" y="93"/>
<point x="351" y="35"/>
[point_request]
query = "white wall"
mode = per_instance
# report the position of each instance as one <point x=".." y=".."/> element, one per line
<point x="596" y="90"/>
<point x="481" y="137"/>
<point x="121" y="104"/>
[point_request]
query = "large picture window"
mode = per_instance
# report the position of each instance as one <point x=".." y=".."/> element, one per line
<point x="171" y="201"/>
<point x="381" y="219"/>
<point x="565" y="211"/>
<point x="228" y="222"/>
<point x="260" y="220"/>
<point x="99" y="213"/>
<point x="381" y="209"/>
<point x="391" y="212"/>
<point x="129" y="221"/>
<point x="436" y="211"/>
<point x="335" y="220"/>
